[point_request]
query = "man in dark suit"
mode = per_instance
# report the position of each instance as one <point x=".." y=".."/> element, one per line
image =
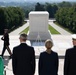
<point x="23" y="58"/>
<point x="5" y="38"/>
<point x="70" y="59"/>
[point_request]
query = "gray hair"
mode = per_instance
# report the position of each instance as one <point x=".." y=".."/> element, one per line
<point x="23" y="36"/>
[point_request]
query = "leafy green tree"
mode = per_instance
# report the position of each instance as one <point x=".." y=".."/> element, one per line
<point x="3" y="19"/>
<point x="10" y="17"/>
<point x="51" y="9"/>
<point x="67" y="18"/>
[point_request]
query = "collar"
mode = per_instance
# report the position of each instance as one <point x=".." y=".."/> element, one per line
<point x="48" y="53"/>
<point x="74" y="46"/>
<point x="23" y="42"/>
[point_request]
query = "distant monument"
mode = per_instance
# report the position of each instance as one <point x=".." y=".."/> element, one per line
<point x="38" y="26"/>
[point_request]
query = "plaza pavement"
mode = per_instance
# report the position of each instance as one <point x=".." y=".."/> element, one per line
<point x="61" y="43"/>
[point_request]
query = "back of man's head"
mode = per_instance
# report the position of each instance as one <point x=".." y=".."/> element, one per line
<point x="23" y="37"/>
<point x="5" y="30"/>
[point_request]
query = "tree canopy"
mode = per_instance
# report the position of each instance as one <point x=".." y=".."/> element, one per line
<point x="67" y="18"/>
<point x="10" y="17"/>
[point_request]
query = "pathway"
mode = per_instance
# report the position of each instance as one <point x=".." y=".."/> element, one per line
<point x="20" y="29"/>
<point x="59" y="29"/>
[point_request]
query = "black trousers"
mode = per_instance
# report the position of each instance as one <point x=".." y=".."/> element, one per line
<point x="4" y="49"/>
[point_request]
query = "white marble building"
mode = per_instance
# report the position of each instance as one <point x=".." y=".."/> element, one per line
<point x="38" y="25"/>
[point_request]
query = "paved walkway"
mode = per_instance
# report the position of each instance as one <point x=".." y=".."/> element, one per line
<point x="17" y="31"/>
<point x="59" y="29"/>
<point x="61" y="43"/>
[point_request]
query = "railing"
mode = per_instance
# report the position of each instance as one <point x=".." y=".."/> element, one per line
<point x="60" y="57"/>
<point x="36" y="57"/>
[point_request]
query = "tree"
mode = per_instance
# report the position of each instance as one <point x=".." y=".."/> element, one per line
<point x="67" y="18"/>
<point x="3" y="19"/>
<point x="10" y="17"/>
<point x="65" y="4"/>
<point x="39" y="7"/>
<point x="51" y="8"/>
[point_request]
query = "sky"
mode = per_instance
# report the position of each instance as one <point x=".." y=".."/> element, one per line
<point x="51" y="0"/>
<point x="37" y="0"/>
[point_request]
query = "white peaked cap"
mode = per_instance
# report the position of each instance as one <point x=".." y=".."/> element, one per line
<point x="74" y="36"/>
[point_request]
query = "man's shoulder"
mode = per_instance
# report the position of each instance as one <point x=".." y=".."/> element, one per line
<point x="30" y="49"/>
<point x="29" y="46"/>
<point x="16" y="47"/>
<point x="69" y="50"/>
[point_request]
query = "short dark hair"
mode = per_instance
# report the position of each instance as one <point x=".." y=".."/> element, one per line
<point x="73" y="39"/>
<point x="23" y="36"/>
<point x="6" y="30"/>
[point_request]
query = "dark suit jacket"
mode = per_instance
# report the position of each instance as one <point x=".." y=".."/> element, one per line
<point x="70" y="62"/>
<point x="23" y="60"/>
<point x="5" y="38"/>
<point x="48" y="63"/>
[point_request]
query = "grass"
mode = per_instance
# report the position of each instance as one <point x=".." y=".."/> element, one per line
<point x="25" y="30"/>
<point x="63" y="27"/>
<point x="51" y="29"/>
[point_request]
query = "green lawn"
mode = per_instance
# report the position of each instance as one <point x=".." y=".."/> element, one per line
<point x="25" y="30"/>
<point x="51" y="29"/>
<point x="63" y="27"/>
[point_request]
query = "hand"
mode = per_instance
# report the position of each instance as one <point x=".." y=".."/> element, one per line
<point x="1" y="38"/>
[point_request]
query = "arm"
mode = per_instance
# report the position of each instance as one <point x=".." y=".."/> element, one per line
<point x="5" y="37"/>
<point x="40" y="64"/>
<point x="14" y="61"/>
<point x="33" y="61"/>
<point x="57" y="63"/>
<point x="66" y="64"/>
<point x="2" y="38"/>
